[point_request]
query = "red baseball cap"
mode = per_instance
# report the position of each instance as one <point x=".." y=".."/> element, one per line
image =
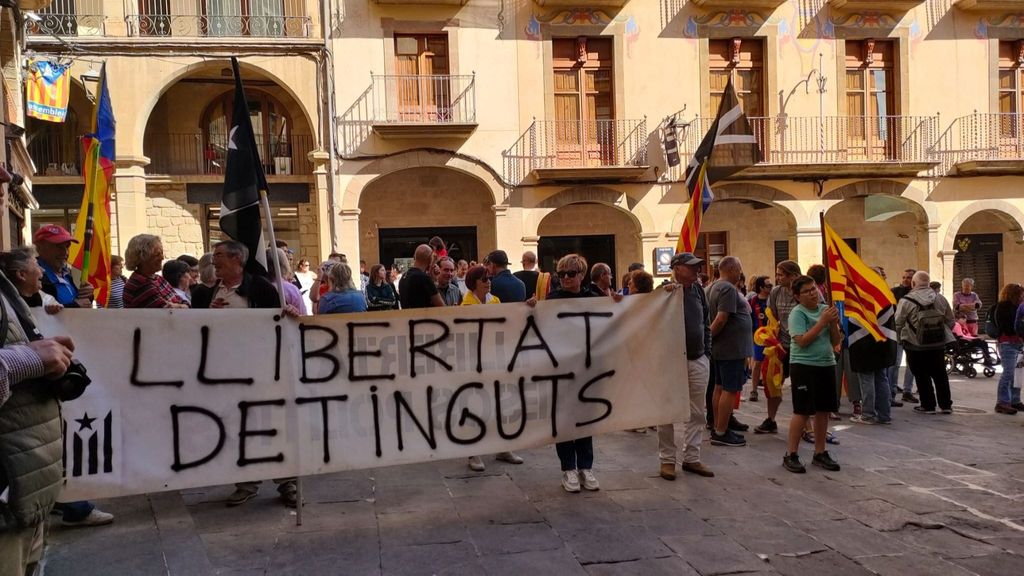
<point x="53" y="234"/>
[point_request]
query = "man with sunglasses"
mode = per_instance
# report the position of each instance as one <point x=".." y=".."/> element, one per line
<point x="685" y="269"/>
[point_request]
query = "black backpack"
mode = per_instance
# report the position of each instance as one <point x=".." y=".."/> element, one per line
<point x="931" y="325"/>
<point x="991" y="326"/>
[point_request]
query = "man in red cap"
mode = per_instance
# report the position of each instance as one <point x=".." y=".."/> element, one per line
<point x="53" y="243"/>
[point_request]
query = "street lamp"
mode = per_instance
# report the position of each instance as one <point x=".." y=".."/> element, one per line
<point x="819" y="79"/>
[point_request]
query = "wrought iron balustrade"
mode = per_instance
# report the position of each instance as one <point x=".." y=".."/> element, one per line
<point x="195" y="154"/>
<point x="218" y="18"/>
<point x="69" y="18"/>
<point x="577" y="144"/>
<point x="424" y="99"/>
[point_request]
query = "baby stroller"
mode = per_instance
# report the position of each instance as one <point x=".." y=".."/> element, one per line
<point x="964" y="354"/>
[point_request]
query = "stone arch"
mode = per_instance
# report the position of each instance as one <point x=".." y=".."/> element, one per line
<point x="1005" y="211"/>
<point x="390" y="217"/>
<point x="379" y="168"/>
<point x="567" y="227"/>
<point x="888" y="188"/>
<point x="748" y="191"/>
<point x="172" y="78"/>
<point x="640" y="216"/>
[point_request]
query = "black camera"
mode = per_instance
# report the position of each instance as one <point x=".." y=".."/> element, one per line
<point x="72" y="383"/>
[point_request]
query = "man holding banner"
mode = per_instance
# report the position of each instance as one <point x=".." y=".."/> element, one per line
<point x="696" y="316"/>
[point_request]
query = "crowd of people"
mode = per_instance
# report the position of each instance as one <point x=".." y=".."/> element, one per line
<point x="801" y="337"/>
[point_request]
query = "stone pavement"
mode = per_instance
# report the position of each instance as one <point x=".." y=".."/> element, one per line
<point x="928" y="495"/>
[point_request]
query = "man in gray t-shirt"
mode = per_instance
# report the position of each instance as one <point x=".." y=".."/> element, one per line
<point x="732" y="342"/>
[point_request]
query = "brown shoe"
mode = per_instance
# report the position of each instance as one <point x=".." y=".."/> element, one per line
<point x="1004" y="408"/>
<point x="668" y="471"/>
<point x="698" y="469"/>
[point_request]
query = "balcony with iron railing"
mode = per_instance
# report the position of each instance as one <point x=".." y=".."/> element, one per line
<point x="196" y="155"/>
<point x="68" y="18"/>
<point x="829" y="146"/>
<point x="568" y="150"/>
<point x="218" y="18"/>
<point x="983" y="145"/>
<point x="265" y="19"/>
<point x="423" y="105"/>
<point x="56" y="158"/>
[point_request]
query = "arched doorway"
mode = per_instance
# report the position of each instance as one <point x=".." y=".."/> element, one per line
<point x="759" y="233"/>
<point x="598" y="232"/>
<point x="405" y="208"/>
<point x="886" y="231"/>
<point x="989" y="251"/>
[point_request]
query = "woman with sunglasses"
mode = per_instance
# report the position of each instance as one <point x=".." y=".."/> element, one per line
<point x="576" y="456"/>
<point x="478" y="284"/>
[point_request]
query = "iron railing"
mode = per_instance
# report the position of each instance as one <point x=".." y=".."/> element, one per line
<point x="424" y="99"/>
<point x="218" y="18"/>
<point x="995" y="136"/>
<point x="830" y="139"/>
<point x="56" y="156"/>
<point x="196" y="154"/>
<point x="69" y="18"/>
<point x="576" y="144"/>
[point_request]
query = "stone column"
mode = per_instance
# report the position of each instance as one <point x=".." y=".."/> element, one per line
<point x="348" y="234"/>
<point x="649" y="241"/>
<point x="321" y="160"/>
<point x="935" y="263"/>
<point x="504" y="235"/>
<point x="808" y="246"/>
<point x="130" y="188"/>
<point x="946" y="274"/>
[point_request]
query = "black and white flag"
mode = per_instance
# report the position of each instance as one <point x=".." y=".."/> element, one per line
<point x="729" y="145"/>
<point x="240" y="215"/>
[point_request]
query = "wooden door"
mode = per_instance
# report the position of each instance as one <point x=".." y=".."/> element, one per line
<point x="1006" y="126"/>
<point x="584" y="131"/>
<point x="873" y="126"/>
<point x="422" y="86"/>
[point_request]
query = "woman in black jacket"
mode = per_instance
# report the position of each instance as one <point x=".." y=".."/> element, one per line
<point x="1009" y="308"/>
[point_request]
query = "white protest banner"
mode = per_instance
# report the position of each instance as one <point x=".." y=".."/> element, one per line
<point x="191" y="398"/>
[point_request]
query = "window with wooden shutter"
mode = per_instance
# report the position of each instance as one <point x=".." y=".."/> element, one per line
<point x="1010" y="88"/>
<point x="422" y="82"/>
<point x="742" y="61"/>
<point x="871" y="98"/>
<point x="584" y="100"/>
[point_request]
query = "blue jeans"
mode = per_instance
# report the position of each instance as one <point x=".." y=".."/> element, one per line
<point x="894" y="374"/>
<point x="1006" y="393"/>
<point x="75" y="511"/>
<point x="874" y="387"/>
<point x="576" y="454"/>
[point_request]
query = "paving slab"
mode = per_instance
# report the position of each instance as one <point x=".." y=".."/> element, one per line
<point x="912" y="564"/>
<point x="711" y="555"/>
<point x="828" y="562"/>
<point x="1004" y="564"/>
<point x="596" y="545"/>
<point x="945" y="543"/>
<point x="670" y="566"/>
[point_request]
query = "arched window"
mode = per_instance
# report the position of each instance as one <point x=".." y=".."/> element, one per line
<point x="270" y="123"/>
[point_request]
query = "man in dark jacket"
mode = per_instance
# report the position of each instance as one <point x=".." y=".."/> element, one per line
<point x="504" y="285"/>
<point x="236" y="288"/>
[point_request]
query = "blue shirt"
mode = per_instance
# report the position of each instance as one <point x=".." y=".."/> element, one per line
<point x="342" y="302"/>
<point x="508" y="288"/>
<point x="60" y="286"/>
<point x="817" y="353"/>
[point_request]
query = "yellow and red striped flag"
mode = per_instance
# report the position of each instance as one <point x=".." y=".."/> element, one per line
<point x="92" y="253"/>
<point x="46" y="91"/>
<point x="701" y="198"/>
<point x="859" y="290"/>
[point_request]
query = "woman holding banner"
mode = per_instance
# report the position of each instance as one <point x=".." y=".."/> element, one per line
<point x="478" y="285"/>
<point x="576" y="456"/>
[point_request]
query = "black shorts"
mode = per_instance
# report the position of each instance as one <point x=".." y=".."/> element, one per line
<point x="814" y="389"/>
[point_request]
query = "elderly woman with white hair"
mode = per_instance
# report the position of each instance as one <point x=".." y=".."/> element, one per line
<point x="967" y="302"/>
<point x="145" y="288"/>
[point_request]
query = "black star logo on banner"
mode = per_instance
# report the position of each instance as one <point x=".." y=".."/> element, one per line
<point x="85" y="422"/>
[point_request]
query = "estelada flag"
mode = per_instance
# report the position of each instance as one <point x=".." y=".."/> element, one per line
<point x="243" y="181"/>
<point x="859" y="290"/>
<point x="46" y="91"/>
<point x="92" y="253"/>
<point x="728" y="147"/>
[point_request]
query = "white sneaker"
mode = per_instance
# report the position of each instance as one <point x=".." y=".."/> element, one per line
<point x="96" y="518"/>
<point x="589" y="480"/>
<point x="510" y="457"/>
<point x="476" y="464"/>
<point x="570" y="481"/>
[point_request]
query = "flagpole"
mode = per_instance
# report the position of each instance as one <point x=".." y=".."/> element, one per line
<point x="265" y="202"/>
<point x="824" y="257"/>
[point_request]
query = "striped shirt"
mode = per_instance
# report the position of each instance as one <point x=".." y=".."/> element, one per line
<point x="18" y="362"/>
<point x="151" y="292"/>
<point x="116" y="297"/>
